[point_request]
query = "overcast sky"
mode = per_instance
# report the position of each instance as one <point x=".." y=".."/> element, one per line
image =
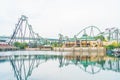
<point x="51" y="17"/>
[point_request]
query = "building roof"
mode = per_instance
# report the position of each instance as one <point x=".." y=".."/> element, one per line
<point x="83" y="38"/>
<point x="86" y="37"/>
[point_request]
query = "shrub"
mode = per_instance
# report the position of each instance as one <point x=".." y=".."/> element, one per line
<point x="20" y="45"/>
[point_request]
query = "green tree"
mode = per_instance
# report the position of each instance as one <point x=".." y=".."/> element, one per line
<point x="17" y="44"/>
<point x="101" y="37"/>
<point x="20" y="45"/>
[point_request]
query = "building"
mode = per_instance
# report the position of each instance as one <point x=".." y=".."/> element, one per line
<point x="84" y="41"/>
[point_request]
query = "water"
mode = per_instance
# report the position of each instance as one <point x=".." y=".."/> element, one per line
<point x="40" y="65"/>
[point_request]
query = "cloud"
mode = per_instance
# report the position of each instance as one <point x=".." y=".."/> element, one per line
<point x="51" y="17"/>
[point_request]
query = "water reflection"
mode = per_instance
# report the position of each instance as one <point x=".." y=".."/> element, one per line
<point x="23" y="65"/>
<point x="85" y="63"/>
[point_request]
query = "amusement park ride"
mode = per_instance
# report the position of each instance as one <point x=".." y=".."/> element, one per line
<point x="24" y="33"/>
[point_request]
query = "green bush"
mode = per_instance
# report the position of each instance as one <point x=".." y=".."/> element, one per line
<point x="56" y="44"/>
<point x="110" y="46"/>
<point x="20" y="45"/>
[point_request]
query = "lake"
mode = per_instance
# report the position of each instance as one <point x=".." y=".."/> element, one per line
<point x="50" y="65"/>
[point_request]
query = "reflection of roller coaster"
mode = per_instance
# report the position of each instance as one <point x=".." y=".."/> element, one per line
<point x="23" y="69"/>
<point x="83" y="63"/>
<point x="23" y="65"/>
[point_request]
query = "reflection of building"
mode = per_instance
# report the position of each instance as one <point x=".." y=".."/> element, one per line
<point x="85" y="63"/>
<point x="113" y="65"/>
<point x="102" y="63"/>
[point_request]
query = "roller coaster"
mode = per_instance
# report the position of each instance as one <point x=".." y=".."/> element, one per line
<point x="24" y="33"/>
<point x="110" y="34"/>
<point x="90" y="31"/>
<point x="93" y="31"/>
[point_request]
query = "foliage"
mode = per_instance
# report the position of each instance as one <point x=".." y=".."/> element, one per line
<point x="113" y="45"/>
<point x="56" y="44"/>
<point x="17" y="44"/>
<point x="119" y="45"/>
<point x="110" y="46"/>
<point x="101" y="37"/>
<point x="20" y="45"/>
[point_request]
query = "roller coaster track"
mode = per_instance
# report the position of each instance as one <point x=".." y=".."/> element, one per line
<point x="24" y="30"/>
<point x="111" y="34"/>
<point x="24" y="33"/>
<point x="91" y="27"/>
